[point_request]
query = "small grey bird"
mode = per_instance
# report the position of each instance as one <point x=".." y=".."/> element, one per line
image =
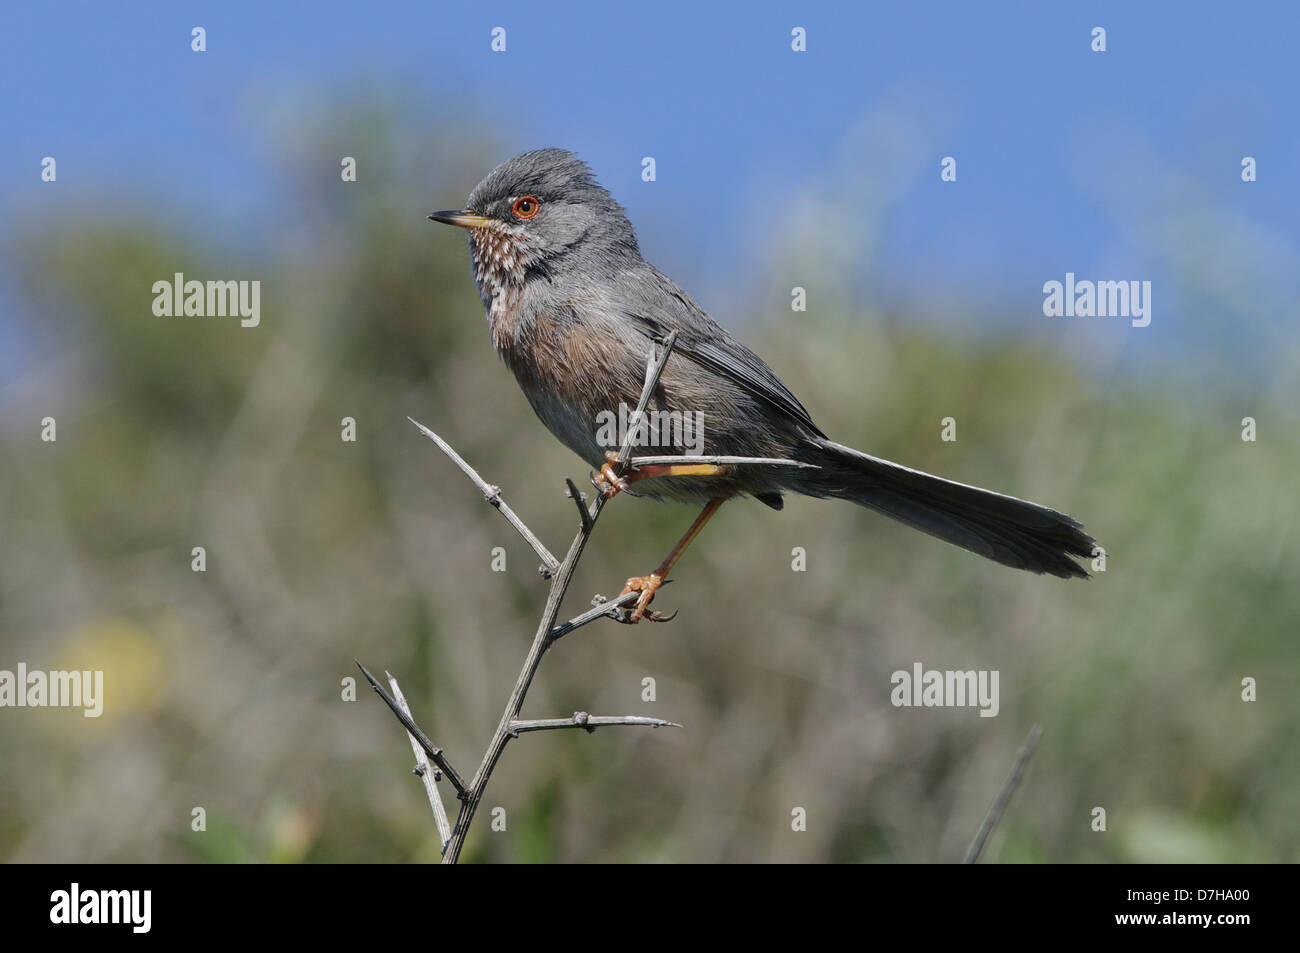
<point x="572" y="307"/>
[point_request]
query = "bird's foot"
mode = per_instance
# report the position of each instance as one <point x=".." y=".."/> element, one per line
<point x="646" y="586"/>
<point x="608" y="482"/>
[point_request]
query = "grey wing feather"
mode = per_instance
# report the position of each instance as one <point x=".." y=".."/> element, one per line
<point x="667" y="308"/>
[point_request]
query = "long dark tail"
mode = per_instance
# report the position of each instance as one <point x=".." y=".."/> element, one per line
<point x="1013" y="532"/>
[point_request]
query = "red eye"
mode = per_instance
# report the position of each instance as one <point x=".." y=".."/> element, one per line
<point x="526" y="207"/>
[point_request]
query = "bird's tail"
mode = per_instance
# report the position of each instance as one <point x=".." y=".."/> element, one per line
<point x="1013" y="532"/>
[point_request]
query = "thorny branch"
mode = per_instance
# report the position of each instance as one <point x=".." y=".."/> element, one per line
<point x="428" y="774"/>
<point x="493" y="495"/>
<point x="560" y="572"/>
<point x="581" y="719"/>
<point x="433" y="751"/>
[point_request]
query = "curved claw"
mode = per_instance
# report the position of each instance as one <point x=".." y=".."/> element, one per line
<point x="647" y="586"/>
<point x="628" y="616"/>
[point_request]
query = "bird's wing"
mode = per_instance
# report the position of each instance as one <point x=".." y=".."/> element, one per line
<point x="665" y="307"/>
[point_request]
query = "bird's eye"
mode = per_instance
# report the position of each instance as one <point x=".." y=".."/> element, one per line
<point x="526" y="207"/>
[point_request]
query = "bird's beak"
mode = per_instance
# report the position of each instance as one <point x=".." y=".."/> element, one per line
<point x="464" y="219"/>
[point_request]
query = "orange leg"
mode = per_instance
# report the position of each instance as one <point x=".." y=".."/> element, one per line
<point x="647" y="585"/>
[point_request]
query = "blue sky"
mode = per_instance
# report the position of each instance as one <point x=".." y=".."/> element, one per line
<point x="1067" y="159"/>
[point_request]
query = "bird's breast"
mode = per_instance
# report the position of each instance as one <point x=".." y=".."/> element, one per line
<point x="571" y="370"/>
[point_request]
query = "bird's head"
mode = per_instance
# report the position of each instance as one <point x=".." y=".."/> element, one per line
<point x="536" y="212"/>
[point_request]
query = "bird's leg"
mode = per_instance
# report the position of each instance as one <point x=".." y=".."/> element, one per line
<point x="646" y="585"/>
<point x="610" y="483"/>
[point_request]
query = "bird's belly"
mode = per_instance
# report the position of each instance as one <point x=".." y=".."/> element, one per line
<point x="567" y="420"/>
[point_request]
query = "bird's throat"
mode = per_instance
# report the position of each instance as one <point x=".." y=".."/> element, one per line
<point x="500" y="269"/>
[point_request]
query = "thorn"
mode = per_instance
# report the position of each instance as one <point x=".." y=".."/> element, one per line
<point x="580" y="501"/>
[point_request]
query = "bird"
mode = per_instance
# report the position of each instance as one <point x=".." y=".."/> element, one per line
<point x="572" y="308"/>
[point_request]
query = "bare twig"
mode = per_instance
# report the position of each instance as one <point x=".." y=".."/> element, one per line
<point x="580" y="501"/>
<point x="1004" y="796"/>
<point x="654" y="369"/>
<point x="433" y="751"/>
<point x="427" y="772"/>
<point x="719" y="461"/>
<point x="493" y="495"/>
<point x="580" y="719"/>
<point x="601" y="611"/>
